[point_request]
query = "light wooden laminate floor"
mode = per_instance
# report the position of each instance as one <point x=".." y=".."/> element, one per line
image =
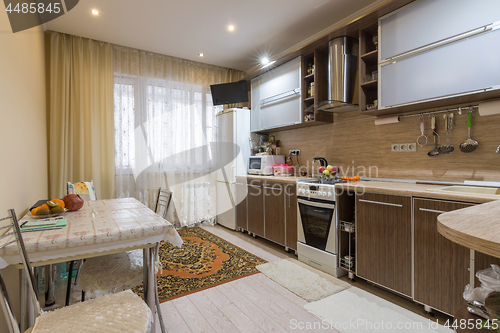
<point x="250" y="304"/>
<point x="255" y="303"/>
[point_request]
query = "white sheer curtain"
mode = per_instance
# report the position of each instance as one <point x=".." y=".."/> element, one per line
<point x="164" y="124"/>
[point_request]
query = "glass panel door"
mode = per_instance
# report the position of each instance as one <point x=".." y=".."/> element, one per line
<point x="316" y="222"/>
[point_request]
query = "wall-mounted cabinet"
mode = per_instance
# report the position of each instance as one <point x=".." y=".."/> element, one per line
<point x="284" y="97"/>
<point x="276" y="97"/>
<point x="368" y="68"/>
<point x="315" y="86"/>
<point x="430" y="56"/>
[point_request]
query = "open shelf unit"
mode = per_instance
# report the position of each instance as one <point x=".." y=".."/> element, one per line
<point x="346" y="217"/>
<point x="319" y="78"/>
<point x="368" y="66"/>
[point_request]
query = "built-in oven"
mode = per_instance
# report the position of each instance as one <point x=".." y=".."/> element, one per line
<point x="317" y="227"/>
<point x="317" y="219"/>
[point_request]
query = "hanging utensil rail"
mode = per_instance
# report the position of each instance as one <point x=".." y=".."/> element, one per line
<point x="430" y="113"/>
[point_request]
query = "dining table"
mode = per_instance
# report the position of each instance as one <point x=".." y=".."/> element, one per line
<point x="100" y="227"/>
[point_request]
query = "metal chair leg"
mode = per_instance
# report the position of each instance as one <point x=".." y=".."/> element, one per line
<point x="50" y="298"/>
<point x="68" y="288"/>
<point x="77" y="277"/>
<point x="157" y="301"/>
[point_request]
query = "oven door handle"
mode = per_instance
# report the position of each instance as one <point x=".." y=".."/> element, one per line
<point x="315" y="204"/>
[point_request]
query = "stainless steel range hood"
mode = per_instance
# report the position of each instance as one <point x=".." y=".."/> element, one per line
<point x="343" y="88"/>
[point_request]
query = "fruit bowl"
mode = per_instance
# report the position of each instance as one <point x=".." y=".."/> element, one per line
<point x="45" y="216"/>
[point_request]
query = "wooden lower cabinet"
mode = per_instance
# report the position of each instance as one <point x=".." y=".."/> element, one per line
<point x="291" y="216"/>
<point x="241" y="204"/>
<point x="255" y="207"/>
<point x="274" y="212"/>
<point x="269" y="210"/>
<point x="441" y="266"/>
<point x="383" y="240"/>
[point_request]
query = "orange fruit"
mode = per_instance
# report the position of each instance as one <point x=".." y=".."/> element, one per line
<point x="59" y="202"/>
<point x="44" y="206"/>
<point x="33" y="211"/>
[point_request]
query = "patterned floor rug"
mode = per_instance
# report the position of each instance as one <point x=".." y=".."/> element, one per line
<point x="203" y="261"/>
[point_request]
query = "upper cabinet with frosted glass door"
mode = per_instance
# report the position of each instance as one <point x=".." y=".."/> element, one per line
<point x="438" y="52"/>
<point x="276" y="97"/>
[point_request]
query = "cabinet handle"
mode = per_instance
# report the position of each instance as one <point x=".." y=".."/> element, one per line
<point x="432" y="211"/>
<point x="280" y="96"/>
<point x="381" y="203"/>
<point x="439" y="97"/>
<point x="440" y="43"/>
<point x="316" y="204"/>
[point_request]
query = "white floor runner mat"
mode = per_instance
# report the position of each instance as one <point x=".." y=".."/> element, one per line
<point x="355" y="310"/>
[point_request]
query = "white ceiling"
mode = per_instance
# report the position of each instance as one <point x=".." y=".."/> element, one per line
<point x="184" y="28"/>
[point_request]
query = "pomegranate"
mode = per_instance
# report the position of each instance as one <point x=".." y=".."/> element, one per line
<point x="73" y="202"/>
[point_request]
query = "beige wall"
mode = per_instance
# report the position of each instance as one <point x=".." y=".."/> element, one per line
<point x="23" y="134"/>
<point x="356" y="140"/>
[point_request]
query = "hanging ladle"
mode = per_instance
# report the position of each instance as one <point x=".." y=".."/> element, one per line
<point x="448" y="148"/>
<point x="469" y="145"/>
<point x="435" y="151"/>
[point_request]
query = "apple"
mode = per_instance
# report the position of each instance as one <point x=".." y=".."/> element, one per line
<point x="334" y="169"/>
<point x="326" y="173"/>
<point x="321" y="169"/>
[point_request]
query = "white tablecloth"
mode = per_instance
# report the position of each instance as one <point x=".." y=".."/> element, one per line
<point x="100" y="225"/>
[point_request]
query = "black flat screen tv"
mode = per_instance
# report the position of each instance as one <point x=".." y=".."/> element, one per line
<point x="229" y="93"/>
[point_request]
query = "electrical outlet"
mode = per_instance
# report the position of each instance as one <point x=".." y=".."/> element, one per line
<point x="294" y="152"/>
<point x="403" y="147"/>
<point x="412" y="147"/>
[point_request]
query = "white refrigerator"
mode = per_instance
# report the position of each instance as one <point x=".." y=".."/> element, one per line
<point x="233" y="138"/>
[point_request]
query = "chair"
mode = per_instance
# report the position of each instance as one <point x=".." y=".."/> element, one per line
<point x="163" y="202"/>
<point x="85" y="189"/>
<point x="123" y="311"/>
<point x="125" y="267"/>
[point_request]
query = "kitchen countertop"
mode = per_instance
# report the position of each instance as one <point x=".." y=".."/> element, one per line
<point x="413" y="190"/>
<point x="389" y="187"/>
<point x="476" y="227"/>
<point x="289" y="179"/>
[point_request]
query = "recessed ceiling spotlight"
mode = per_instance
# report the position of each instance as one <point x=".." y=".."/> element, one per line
<point x="264" y="61"/>
<point x="95" y="12"/>
<point x="231" y="27"/>
<point x="201" y="54"/>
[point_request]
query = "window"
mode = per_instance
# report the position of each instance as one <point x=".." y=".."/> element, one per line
<point x="159" y="121"/>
